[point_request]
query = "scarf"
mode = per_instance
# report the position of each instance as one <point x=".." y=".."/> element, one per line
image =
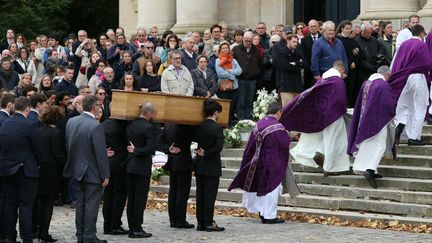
<point x="226" y="61"/>
<point x="100" y="75"/>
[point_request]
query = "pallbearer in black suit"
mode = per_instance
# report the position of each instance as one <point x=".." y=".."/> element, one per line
<point x="36" y="103"/>
<point x="51" y="167"/>
<point x="7" y="107"/>
<point x="19" y="147"/>
<point x="142" y="134"/>
<point x="208" y="167"/>
<point x="115" y="193"/>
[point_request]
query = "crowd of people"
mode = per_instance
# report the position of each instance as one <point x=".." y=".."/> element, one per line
<point x="58" y="143"/>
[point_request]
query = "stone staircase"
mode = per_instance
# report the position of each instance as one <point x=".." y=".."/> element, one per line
<point x="405" y="192"/>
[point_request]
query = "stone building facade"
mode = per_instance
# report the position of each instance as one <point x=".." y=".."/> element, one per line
<point x="196" y="15"/>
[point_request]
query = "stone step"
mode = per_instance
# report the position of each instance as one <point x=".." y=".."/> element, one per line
<point x="330" y="203"/>
<point x="402" y="149"/>
<point x="427" y="129"/>
<point x="426" y="138"/>
<point x="385" y="170"/>
<point x="367" y="193"/>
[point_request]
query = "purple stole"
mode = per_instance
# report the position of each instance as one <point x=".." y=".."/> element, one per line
<point x="259" y="138"/>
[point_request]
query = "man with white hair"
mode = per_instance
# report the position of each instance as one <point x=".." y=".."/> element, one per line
<point x="108" y="83"/>
<point x="306" y="46"/>
<point x="372" y="53"/>
<point x="371" y="127"/>
<point x="326" y="51"/>
<point x="188" y="56"/>
<point x="249" y="59"/>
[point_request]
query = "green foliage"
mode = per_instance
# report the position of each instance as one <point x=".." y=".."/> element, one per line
<point x="157" y="173"/>
<point x="34" y="17"/>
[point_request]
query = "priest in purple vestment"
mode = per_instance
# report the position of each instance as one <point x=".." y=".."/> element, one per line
<point x="372" y="128"/>
<point x="408" y="80"/>
<point x="262" y="171"/>
<point x="318" y="114"/>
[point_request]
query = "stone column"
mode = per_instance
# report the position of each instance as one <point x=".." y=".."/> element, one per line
<point x="128" y="16"/>
<point x="193" y="15"/>
<point x="426" y="16"/>
<point x="160" y="13"/>
<point x="387" y="9"/>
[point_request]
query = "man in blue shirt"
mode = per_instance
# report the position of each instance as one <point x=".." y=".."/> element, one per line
<point x="326" y="50"/>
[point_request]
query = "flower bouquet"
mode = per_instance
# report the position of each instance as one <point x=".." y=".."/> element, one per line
<point x="260" y="106"/>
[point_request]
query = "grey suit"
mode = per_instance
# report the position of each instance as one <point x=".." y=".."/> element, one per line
<point x="88" y="165"/>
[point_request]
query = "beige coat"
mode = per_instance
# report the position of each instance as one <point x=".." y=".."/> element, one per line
<point x="183" y="85"/>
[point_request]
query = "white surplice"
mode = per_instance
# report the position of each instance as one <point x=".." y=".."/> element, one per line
<point x="332" y="142"/>
<point x="412" y="106"/>
<point x="265" y="205"/>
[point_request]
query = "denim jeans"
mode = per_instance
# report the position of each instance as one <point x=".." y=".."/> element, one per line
<point x="245" y="98"/>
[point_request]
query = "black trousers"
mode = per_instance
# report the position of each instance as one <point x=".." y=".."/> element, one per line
<point x="114" y="198"/>
<point x="2" y="211"/>
<point x="20" y="192"/>
<point x="137" y="189"/>
<point x="46" y="206"/>
<point x="206" y="193"/>
<point x="180" y="183"/>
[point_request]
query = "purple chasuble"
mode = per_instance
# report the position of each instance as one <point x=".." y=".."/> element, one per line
<point x="374" y="109"/>
<point x="265" y="158"/>
<point x="429" y="43"/>
<point x="317" y="107"/>
<point x="412" y="57"/>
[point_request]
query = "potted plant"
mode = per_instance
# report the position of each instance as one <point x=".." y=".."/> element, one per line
<point x="245" y="127"/>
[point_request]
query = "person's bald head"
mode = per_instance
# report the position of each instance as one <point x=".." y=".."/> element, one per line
<point x="148" y="111"/>
<point x="313" y="26"/>
<point x="77" y="103"/>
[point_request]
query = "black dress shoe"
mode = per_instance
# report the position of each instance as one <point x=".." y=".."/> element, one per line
<point x="214" y="227"/>
<point x="119" y="231"/>
<point x="140" y="234"/>
<point x="200" y="227"/>
<point x="377" y="176"/>
<point x="48" y="238"/>
<point x="319" y="159"/>
<point x="273" y="221"/>
<point x="398" y="131"/>
<point x="183" y="225"/>
<point x="370" y="178"/>
<point x="415" y="142"/>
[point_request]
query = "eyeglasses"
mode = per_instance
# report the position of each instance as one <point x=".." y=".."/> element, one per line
<point x="176" y="58"/>
<point x="140" y="35"/>
<point x="101" y="93"/>
<point x="101" y="65"/>
<point x="149" y="47"/>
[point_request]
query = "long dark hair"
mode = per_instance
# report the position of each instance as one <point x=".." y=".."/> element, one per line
<point x="164" y="35"/>
<point x="135" y="84"/>
<point x="342" y="25"/>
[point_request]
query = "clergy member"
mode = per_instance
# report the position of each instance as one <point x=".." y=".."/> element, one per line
<point x="263" y="167"/>
<point x="411" y="67"/>
<point x="318" y="114"/>
<point x="371" y="129"/>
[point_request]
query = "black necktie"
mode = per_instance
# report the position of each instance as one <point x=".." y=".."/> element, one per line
<point x="314" y="38"/>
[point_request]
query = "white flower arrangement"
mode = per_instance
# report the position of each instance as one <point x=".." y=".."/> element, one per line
<point x="245" y="125"/>
<point x="232" y="137"/>
<point x="260" y="106"/>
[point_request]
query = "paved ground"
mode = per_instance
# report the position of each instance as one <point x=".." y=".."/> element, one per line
<point x="237" y="230"/>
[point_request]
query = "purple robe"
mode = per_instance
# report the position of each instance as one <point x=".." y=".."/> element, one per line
<point x="375" y="108"/>
<point x="317" y="107"/>
<point x="265" y="158"/>
<point x="413" y="56"/>
<point x="429" y="43"/>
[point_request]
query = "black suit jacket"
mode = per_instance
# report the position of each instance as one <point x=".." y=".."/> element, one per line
<point x="306" y="47"/>
<point x="182" y="137"/>
<point x="210" y="138"/>
<point x="144" y="136"/>
<point x="54" y="159"/>
<point x="3" y="117"/>
<point x="20" y="145"/>
<point x="34" y="117"/>
<point x="116" y="139"/>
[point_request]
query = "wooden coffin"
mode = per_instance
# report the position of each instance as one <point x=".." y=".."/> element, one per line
<point x="177" y="109"/>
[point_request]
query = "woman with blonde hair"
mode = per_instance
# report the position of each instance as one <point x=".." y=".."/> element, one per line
<point x="26" y="81"/>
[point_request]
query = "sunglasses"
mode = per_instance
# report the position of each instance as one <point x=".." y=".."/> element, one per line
<point x="101" y="93"/>
<point x="149" y="47"/>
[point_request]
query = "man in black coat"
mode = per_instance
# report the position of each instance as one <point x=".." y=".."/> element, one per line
<point x="306" y="45"/>
<point x="19" y="147"/>
<point x="36" y="102"/>
<point x="7" y="107"/>
<point x="180" y="167"/>
<point x="142" y="134"/>
<point x="208" y="168"/>
<point x="115" y="193"/>
<point x="8" y="76"/>
<point x="288" y="64"/>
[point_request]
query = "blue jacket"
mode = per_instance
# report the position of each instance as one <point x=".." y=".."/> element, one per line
<point x="222" y="74"/>
<point x="66" y="86"/>
<point x="19" y="146"/>
<point x="324" y="55"/>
